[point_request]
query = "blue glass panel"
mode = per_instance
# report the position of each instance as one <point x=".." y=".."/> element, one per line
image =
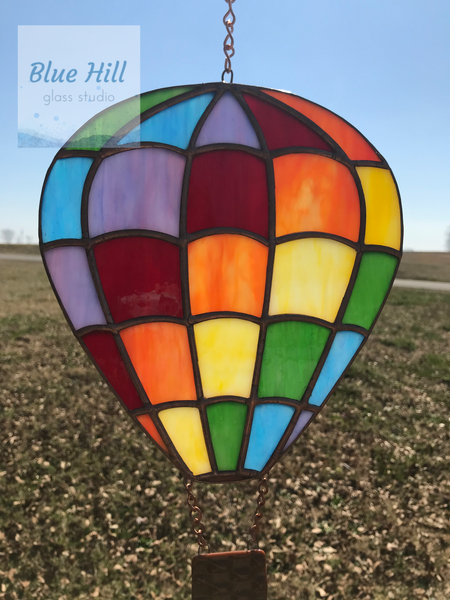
<point x="173" y="126"/>
<point x="302" y="422"/>
<point x="345" y="344"/>
<point x="61" y="204"/>
<point x="269" y="424"/>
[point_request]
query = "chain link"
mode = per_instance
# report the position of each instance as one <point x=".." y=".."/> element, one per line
<point x="262" y="491"/>
<point x="196" y="515"/>
<point x="228" y="44"/>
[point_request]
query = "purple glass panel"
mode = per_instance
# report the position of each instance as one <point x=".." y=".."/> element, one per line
<point x="302" y="422"/>
<point x="137" y="189"/>
<point x="69" y="270"/>
<point x="228" y="123"/>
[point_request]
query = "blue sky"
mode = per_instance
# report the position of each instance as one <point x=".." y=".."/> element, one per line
<point x="384" y="65"/>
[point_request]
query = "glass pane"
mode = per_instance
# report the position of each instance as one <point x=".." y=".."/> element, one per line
<point x="69" y="270"/>
<point x="99" y="130"/>
<point x="226" y="424"/>
<point x="105" y="353"/>
<point x="372" y="284"/>
<point x="310" y="277"/>
<point x="303" y="420"/>
<point x="226" y="351"/>
<point x="228" y="188"/>
<point x="61" y="203"/>
<point x="291" y="353"/>
<point x="184" y="427"/>
<point x="227" y="272"/>
<point x="149" y="426"/>
<point x="349" y="139"/>
<point x="229" y="124"/>
<point x="174" y="125"/>
<point x="344" y="347"/>
<point x="281" y="129"/>
<point x="383" y="219"/>
<point x="161" y="356"/>
<point x="140" y="277"/>
<point x="315" y="193"/>
<point x="269" y="424"/>
<point x="137" y="189"/>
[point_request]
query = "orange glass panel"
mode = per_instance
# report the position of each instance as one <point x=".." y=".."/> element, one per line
<point x="158" y="351"/>
<point x="227" y="272"/>
<point x="150" y="428"/>
<point x="350" y="140"/>
<point x="315" y="193"/>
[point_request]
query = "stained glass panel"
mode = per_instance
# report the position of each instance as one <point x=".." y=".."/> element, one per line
<point x="158" y="351"/>
<point x="227" y="273"/>
<point x="310" y="277"/>
<point x="137" y="189"/>
<point x="315" y="193"/>
<point x="291" y="353"/>
<point x="69" y="269"/>
<point x="184" y="427"/>
<point x="140" y="277"/>
<point x="226" y="351"/>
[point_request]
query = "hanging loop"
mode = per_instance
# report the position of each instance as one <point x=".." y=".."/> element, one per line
<point x="261" y="501"/>
<point x="228" y="44"/>
<point x="196" y="515"/>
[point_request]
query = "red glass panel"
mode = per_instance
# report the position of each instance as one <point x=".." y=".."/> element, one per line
<point x="140" y="277"/>
<point x="228" y="188"/>
<point x="105" y="353"/>
<point x="282" y="130"/>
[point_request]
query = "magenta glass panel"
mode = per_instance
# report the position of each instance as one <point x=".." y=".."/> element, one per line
<point x="229" y="124"/>
<point x="303" y="420"/>
<point x="228" y="188"/>
<point x="69" y="270"/>
<point x="105" y="353"/>
<point x="137" y="189"/>
<point x="140" y="277"/>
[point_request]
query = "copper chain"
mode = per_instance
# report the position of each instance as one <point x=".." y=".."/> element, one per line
<point x="196" y="515"/>
<point x="262" y="491"/>
<point x="228" y="44"/>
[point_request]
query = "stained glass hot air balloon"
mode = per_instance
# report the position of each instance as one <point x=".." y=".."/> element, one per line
<point x="221" y="253"/>
<point x="221" y="257"/>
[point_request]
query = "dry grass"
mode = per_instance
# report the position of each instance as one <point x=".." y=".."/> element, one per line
<point x="431" y="266"/>
<point x="88" y="509"/>
<point x="19" y="249"/>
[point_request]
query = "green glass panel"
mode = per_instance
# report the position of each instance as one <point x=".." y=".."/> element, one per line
<point x="291" y="353"/>
<point x="371" y="286"/>
<point x="96" y="133"/>
<point x="226" y="424"/>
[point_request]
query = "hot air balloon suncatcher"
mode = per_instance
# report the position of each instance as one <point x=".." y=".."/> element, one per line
<point x="221" y="252"/>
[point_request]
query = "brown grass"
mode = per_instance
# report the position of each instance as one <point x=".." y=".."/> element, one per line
<point x="88" y="509"/>
<point x="431" y="266"/>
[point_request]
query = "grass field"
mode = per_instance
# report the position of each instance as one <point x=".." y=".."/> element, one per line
<point x="88" y="509"/>
<point x="431" y="266"/>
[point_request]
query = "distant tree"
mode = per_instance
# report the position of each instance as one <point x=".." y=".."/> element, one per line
<point x="7" y="235"/>
<point x="447" y="240"/>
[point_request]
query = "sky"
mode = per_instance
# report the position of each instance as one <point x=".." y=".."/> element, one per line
<point x="383" y="65"/>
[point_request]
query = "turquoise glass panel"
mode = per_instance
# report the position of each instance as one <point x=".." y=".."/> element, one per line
<point x="174" y="125"/>
<point x="344" y="346"/>
<point x="269" y="424"/>
<point x="303" y="420"/>
<point x="61" y="204"/>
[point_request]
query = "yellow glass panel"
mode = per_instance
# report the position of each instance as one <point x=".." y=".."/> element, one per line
<point x="310" y="277"/>
<point x="184" y="427"/>
<point x="383" y="220"/>
<point x="226" y="351"/>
